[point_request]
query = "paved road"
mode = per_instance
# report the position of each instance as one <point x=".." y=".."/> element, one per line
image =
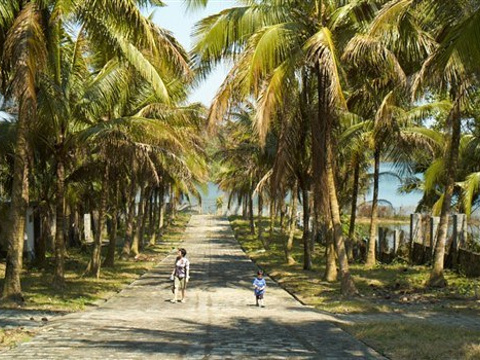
<point x="218" y="321"/>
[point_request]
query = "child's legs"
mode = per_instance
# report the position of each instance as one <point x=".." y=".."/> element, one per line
<point x="183" y="287"/>
<point x="177" y="285"/>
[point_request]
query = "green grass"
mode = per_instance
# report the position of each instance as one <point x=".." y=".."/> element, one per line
<point x="394" y="288"/>
<point x="80" y="292"/>
<point x="12" y="337"/>
<point x="413" y="340"/>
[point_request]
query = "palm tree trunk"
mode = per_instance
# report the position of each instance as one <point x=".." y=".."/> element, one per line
<point x="320" y="186"/>
<point x="272" y="223"/>
<point x="161" y="213"/>
<point x="12" y="289"/>
<point x="59" y="276"/>
<point x="371" y="258"/>
<point x="45" y="234"/>
<point x="93" y="268"/>
<point x="259" y="219"/>
<point x="130" y="219"/>
<point x="437" y="278"/>
<point x="145" y="216"/>
<point x="153" y="218"/>
<point x="292" y="226"/>
<point x="307" y="256"/>
<point x="347" y="285"/>
<point x="112" y="244"/>
<point x="135" y="248"/>
<point x="251" y="215"/>
<point x="353" y="212"/>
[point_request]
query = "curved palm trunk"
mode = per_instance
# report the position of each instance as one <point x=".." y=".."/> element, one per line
<point x="12" y="290"/>
<point x="292" y="226"/>
<point x="437" y="278"/>
<point x="353" y="213"/>
<point x="347" y="285"/>
<point x="93" y="268"/>
<point x="59" y="276"/>
<point x="371" y="258"/>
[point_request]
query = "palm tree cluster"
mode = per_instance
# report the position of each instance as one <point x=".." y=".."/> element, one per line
<point x="338" y="86"/>
<point x="101" y="125"/>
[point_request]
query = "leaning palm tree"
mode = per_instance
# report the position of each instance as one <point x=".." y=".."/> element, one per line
<point x="270" y="43"/>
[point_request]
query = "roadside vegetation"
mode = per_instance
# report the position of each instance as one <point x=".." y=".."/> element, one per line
<point x="385" y="289"/>
<point x="81" y="292"/>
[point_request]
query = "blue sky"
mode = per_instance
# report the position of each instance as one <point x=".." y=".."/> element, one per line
<point x="177" y="19"/>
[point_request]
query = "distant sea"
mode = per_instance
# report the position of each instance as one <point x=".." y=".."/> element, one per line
<point x="388" y="190"/>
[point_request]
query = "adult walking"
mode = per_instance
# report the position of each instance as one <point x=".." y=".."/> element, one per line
<point x="180" y="275"/>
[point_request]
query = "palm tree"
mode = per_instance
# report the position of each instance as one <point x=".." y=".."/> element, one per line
<point x="450" y="69"/>
<point x="270" y="43"/>
<point x="29" y="32"/>
<point x="23" y="54"/>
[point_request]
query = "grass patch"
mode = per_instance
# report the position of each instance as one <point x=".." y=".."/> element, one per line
<point x="393" y="288"/>
<point x="414" y="340"/>
<point x="385" y="288"/>
<point x="12" y="337"/>
<point x="80" y="292"/>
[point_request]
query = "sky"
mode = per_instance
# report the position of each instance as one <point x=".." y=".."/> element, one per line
<point x="180" y="22"/>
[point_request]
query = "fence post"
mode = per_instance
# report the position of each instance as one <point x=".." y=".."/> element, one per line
<point x="396" y="241"/>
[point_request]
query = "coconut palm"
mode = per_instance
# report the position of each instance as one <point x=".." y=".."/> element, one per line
<point x="270" y="42"/>
<point x="31" y="34"/>
<point x="450" y="70"/>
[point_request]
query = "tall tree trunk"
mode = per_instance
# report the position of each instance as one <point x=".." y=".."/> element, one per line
<point x="259" y="220"/>
<point x="320" y="185"/>
<point x="130" y="219"/>
<point x="353" y="213"/>
<point x="437" y="278"/>
<point x="292" y="227"/>
<point x="45" y="234"/>
<point x="251" y="215"/>
<point x="134" y="249"/>
<point x="12" y="289"/>
<point x="59" y="276"/>
<point x="146" y="215"/>
<point x="272" y="223"/>
<point x="347" y="285"/>
<point x="112" y="244"/>
<point x="161" y="212"/>
<point x="307" y="256"/>
<point x="371" y="258"/>
<point x="153" y="218"/>
<point x="93" y="268"/>
<point x="331" y="273"/>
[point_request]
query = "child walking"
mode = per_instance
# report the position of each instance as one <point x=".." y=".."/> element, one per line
<point x="259" y="286"/>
